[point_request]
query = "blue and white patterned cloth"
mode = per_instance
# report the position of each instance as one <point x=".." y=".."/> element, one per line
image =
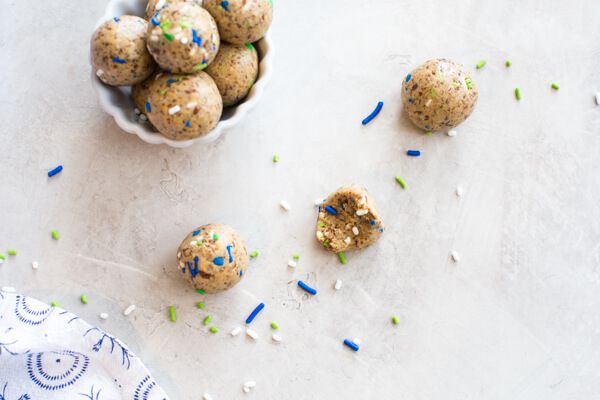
<point x="47" y="353"/>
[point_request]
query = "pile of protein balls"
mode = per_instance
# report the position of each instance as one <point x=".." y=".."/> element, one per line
<point x="180" y="71"/>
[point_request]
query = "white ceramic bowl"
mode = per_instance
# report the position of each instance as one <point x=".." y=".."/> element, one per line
<point x="117" y="101"/>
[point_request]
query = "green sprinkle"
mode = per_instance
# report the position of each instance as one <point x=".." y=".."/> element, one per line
<point x="275" y="158"/>
<point x="401" y="182"/>
<point x="469" y="83"/>
<point x="325" y="243"/>
<point x="173" y="315"/>
<point x="199" y="243"/>
<point x="296" y="256"/>
<point x="396" y="320"/>
<point x="168" y="36"/>
<point x="274" y="325"/>
<point x="54" y="304"/>
<point x="184" y="25"/>
<point x="162" y="92"/>
<point x="200" y="305"/>
<point x="55" y="235"/>
<point x="12" y="252"/>
<point x="481" y="64"/>
<point x="84" y="299"/>
<point x="214" y="329"/>
<point x="254" y="253"/>
<point x="321" y="224"/>
<point x="249" y="46"/>
<point x="432" y="92"/>
<point x="508" y="63"/>
<point x="439" y="74"/>
<point x="3" y="256"/>
<point x="200" y="291"/>
<point x="429" y="133"/>
<point x="518" y="93"/>
<point x="199" y="67"/>
<point x="183" y="77"/>
<point x="247" y="24"/>
<point x="215" y="236"/>
<point x="342" y="257"/>
<point x="455" y="84"/>
<point x="166" y="24"/>
<point x="207" y="320"/>
<point x="271" y="3"/>
<point x="555" y="86"/>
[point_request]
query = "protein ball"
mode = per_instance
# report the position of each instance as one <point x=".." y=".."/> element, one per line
<point x="349" y="220"/>
<point x="234" y="70"/>
<point x="139" y="92"/>
<point x="213" y="258"/>
<point x="183" y="38"/>
<point x="241" y="21"/>
<point x="118" y="51"/>
<point x="154" y="6"/>
<point x="184" y="106"/>
<point x="439" y="94"/>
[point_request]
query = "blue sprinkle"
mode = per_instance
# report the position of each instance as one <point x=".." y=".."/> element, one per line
<point x="154" y="21"/>
<point x="183" y="270"/>
<point x="373" y="114"/>
<point x="240" y="272"/>
<point x="410" y="100"/>
<point x="168" y="70"/>
<point x="225" y="4"/>
<point x="319" y="208"/>
<point x="331" y="210"/>
<point x="255" y="312"/>
<point x="229" y="252"/>
<point x="350" y="344"/>
<point x="118" y="60"/>
<point x="195" y="233"/>
<point x="116" y="19"/>
<point x="381" y="230"/>
<point x="187" y="123"/>
<point x="149" y="109"/>
<point x="408" y="77"/>
<point x="54" y="171"/>
<point x="193" y="271"/>
<point x="413" y="153"/>
<point x="171" y="81"/>
<point x="406" y="89"/>
<point x="204" y="62"/>
<point x="426" y="126"/>
<point x="306" y="287"/>
<point x="372" y="222"/>
<point x="219" y="261"/>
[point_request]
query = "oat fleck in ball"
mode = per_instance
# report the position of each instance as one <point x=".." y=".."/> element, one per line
<point x="439" y="94"/>
<point x="213" y="258"/>
<point x="241" y="21"/>
<point x="183" y="38"/>
<point x="118" y="51"/>
<point x="234" y="70"/>
<point x="184" y="106"/>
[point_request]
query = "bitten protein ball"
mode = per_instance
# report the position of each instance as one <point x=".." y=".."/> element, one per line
<point x="213" y="258"/>
<point x="118" y="51"/>
<point x="439" y="94"/>
<point x="234" y="70"/>
<point x="183" y="38"/>
<point x="241" y="21"/>
<point x="184" y="106"/>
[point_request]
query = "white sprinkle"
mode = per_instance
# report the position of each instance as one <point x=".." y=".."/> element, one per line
<point x="193" y="243"/>
<point x="1" y="261"/>
<point x="192" y="104"/>
<point x="35" y="265"/>
<point x="347" y="240"/>
<point x="236" y="331"/>
<point x="338" y="285"/>
<point x="8" y="289"/>
<point x="459" y="191"/>
<point x="203" y="51"/>
<point x="180" y="264"/>
<point x="207" y="396"/>
<point x="426" y="105"/>
<point x="292" y="264"/>
<point x="103" y="315"/>
<point x="320" y="235"/>
<point x="318" y="202"/>
<point x="211" y="234"/>
<point x="361" y="212"/>
<point x="251" y="333"/>
<point x="285" y="205"/>
<point x="159" y="4"/>
<point x="356" y="342"/>
<point x="598" y="98"/>
<point x="455" y="255"/>
<point x="193" y="51"/>
<point x="174" y="110"/>
<point x="179" y="36"/>
<point x="214" y="37"/>
<point x="99" y="73"/>
<point x="143" y="117"/>
<point x="178" y="254"/>
<point x="277" y="338"/>
<point x="158" y="76"/>
<point x="129" y="309"/>
<point x="154" y="38"/>
<point x="137" y="111"/>
<point x="355" y="230"/>
<point x="184" y="40"/>
<point x="451" y="133"/>
<point x="250" y="384"/>
<point x="246" y="390"/>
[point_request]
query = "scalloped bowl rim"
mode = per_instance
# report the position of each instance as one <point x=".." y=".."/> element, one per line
<point x="144" y="130"/>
